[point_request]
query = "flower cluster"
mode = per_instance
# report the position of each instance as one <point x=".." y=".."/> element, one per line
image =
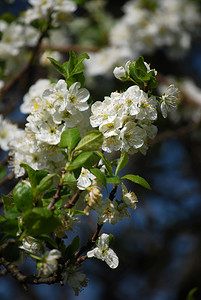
<point x="43" y="9"/>
<point x="54" y="108"/>
<point x="143" y="29"/>
<point x="14" y="37"/>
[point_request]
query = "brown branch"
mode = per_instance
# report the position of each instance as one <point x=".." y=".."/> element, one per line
<point x="88" y="246"/>
<point x="72" y="202"/>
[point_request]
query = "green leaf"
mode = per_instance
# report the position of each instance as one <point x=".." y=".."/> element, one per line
<point x="34" y="176"/>
<point x="2" y="219"/>
<point x="8" y="202"/>
<point x="91" y="141"/>
<point x="9" y="226"/>
<point x="2" y="170"/>
<point x="70" y="138"/>
<point x="72" y="247"/>
<point x="191" y="294"/>
<point x="44" y="184"/>
<point x="40" y="221"/>
<point x="137" y="179"/>
<point x="80" y="160"/>
<point x="8" y="17"/>
<point x="69" y="177"/>
<point x="99" y="175"/>
<point x="113" y="179"/>
<point x="152" y="84"/>
<point x="58" y="66"/>
<point x="94" y="159"/>
<point x="106" y="162"/>
<point x="74" y="68"/>
<point x="23" y="196"/>
<point x="48" y="239"/>
<point x="12" y="214"/>
<point x="124" y="159"/>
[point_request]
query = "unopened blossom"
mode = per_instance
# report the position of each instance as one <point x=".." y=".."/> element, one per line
<point x="103" y="252"/>
<point x="49" y="263"/>
<point x="121" y="73"/>
<point x="169" y="100"/>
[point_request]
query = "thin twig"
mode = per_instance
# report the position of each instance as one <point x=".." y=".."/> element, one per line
<point x="72" y="202"/>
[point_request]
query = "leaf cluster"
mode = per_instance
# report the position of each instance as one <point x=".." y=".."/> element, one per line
<point x="73" y="69"/>
<point x="140" y="75"/>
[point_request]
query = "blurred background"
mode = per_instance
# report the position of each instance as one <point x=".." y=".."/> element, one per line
<point x="159" y="247"/>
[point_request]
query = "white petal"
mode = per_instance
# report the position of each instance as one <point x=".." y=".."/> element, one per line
<point x="112" y="259"/>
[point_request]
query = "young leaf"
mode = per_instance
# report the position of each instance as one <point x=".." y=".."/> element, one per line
<point x="40" y="221"/>
<point x="72" y="247"/>
<point x="8" y="202"/>
<point x="44" y="184"/>
<point x="80" y="160"/>
<point x="58" y="67"/>
<point x="34" y="176"/>
<point x="9" y="226"/>
<point x="137" y="179"/>
<point x="99" y="175"/>
<point x="23" y="196"/>
<point x="12" y="213"/>
<point x="113" y="179"/>
<point x="92" y="140"/>
<point x="70" y="138"/>
<point x="124" y="159"/>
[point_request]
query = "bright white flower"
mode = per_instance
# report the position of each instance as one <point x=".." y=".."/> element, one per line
<point x="112" y="141"/>
<point x="147" y="108"/>
<point x="77" y="98"/>
<point x="8" y="132"/>
<point x="103" y="252"/>
<point x="148" y="68"/>
<point x="42" y="8"/>
<point x="129" y="197"/>
<point x="170" y="100"/>
<point x="35" y="91"/>
<point x="49" y="264"/>
<point x="133" y="137"/>
<point x="107" y="212"/>
<point x="102" y="112"/>
<point x="85" y="179"/>
<point x="131" y="98"/>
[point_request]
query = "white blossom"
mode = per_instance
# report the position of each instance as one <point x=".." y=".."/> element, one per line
<point x="103" y="252"/>
<point x="169" y="100"/>
<point x="129" y="197"/>
<point x="49" y="263"/>
<point x="85" y="179"/>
